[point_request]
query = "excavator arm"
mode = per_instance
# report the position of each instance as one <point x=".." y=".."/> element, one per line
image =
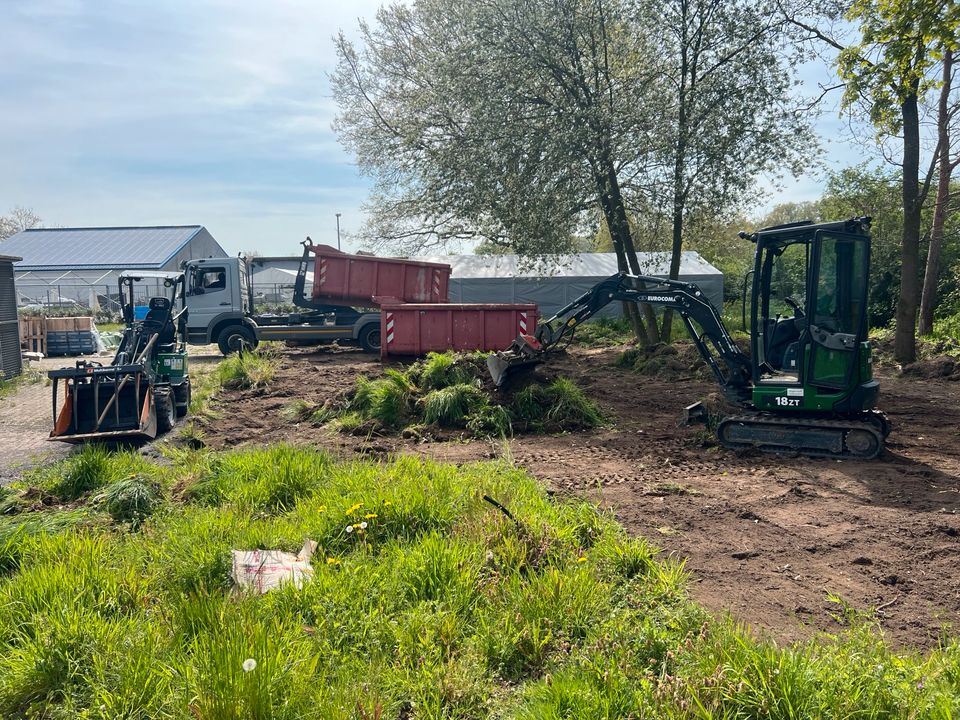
<point x="730" y="366"/>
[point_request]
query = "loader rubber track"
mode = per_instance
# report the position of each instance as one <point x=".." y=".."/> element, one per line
<point x="854" y="439"/>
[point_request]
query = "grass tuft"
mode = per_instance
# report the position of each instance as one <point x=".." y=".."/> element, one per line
<point x="242" y="371"/>
<point x="132" y="499"/>
<point x="561" y="405"/>
<point x="451" y="405"/>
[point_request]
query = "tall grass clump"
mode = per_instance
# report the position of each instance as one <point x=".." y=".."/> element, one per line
<point x="426" y="600"/>
<point x="131" y="499"/>
<point x="450" y="406"/>
<point x="440" y="370"/>
<point x="89" y="469"/>
<point x="245" y="370"/>
<point x="556" y="406"/>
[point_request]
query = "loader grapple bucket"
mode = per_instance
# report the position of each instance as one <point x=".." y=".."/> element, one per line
<point x="112" y="402"/>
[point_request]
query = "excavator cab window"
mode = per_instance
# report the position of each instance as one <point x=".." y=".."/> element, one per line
<point x="780" y="310"/>
<point x="837" y="323"/>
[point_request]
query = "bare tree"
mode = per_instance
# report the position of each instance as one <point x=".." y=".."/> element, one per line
<point x="19" y="218"/>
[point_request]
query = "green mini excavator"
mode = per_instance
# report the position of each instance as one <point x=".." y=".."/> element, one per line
<point x="807" y="385"/>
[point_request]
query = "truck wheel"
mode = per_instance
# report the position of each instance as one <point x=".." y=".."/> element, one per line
<point x="235" y="338"/>
<point x="181" y="396"/>
<point x="369" y="338"/>
<point x="166" y="415"/>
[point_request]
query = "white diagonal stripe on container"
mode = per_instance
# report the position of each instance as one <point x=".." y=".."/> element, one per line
<point x="523" y="323"/>
<point x="389" y="328"/>
<point x="323" y="270"/>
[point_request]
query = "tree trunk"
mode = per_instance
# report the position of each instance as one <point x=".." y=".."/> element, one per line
<point x="904" y="340"/>
<point x="675" y="254"/>
<point x="615" y="213"/>
<point x="931" y="275"/>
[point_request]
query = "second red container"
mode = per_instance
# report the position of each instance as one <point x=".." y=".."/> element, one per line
<point x="416" y="329"/>
<point x="367" y="281"/>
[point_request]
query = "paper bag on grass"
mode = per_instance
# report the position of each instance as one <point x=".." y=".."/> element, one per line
<point x="263" y="570"/>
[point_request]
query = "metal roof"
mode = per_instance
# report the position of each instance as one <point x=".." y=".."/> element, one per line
<point x="94" y="248"/>
<point x="592" y="265"/>
<point x="9" y="258"/>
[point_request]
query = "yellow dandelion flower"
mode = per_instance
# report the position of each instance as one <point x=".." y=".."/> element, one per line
<point x="387" y="503"/>
<point x="370" y="516"/>
<point x="353" y="508"/>
<point x="582" y="558"/>
<point x="322" y="508"/>
<point x="332" y="561"/>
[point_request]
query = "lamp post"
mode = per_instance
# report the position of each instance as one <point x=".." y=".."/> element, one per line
<point x="338" y="231"/>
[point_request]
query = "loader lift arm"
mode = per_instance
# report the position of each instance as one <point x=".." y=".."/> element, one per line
<point x="729" y="364"/>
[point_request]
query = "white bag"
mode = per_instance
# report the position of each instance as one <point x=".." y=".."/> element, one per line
<point x="263" y="570"/>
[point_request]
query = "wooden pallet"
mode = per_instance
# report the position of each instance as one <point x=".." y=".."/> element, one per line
<point x="33" y="335"/>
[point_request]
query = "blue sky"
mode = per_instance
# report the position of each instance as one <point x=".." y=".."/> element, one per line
<point x="217" y="112"/>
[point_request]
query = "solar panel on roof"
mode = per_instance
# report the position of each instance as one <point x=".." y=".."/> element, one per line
<point x="79" y="248"/>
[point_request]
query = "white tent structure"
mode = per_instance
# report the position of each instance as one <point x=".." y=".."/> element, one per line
<point x="556" y="283"/>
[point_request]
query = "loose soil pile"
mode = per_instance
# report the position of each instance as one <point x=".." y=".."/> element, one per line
<point x="768" y="538"/>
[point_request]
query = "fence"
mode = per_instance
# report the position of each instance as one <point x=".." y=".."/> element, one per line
<point x="83" y="297"/>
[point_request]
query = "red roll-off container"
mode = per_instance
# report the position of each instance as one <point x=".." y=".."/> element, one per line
<point x="416" y="329"/>
<point x="366" y="281"/>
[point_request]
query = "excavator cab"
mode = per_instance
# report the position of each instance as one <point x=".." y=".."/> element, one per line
<point x="808" y="321"/>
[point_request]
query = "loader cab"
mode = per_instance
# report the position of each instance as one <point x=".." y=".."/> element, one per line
<point x="166" y="314"/>
<point x="808" y="320"/>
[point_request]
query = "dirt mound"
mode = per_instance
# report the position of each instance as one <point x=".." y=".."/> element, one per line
<point x="943" y="367"/>
<point x="679" y="361"/>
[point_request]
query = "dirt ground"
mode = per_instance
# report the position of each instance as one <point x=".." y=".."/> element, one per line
<point x="767" y="538"/>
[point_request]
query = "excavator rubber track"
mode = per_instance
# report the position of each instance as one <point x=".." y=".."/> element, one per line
<point x="854" y="439"/>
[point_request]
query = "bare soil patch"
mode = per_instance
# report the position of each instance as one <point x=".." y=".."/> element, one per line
<point x="767" y="538"/>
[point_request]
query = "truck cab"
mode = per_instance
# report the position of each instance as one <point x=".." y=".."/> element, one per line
<point x="220" y="301"/>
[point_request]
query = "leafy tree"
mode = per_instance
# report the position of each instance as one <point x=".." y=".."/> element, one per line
<point x="18" y="219"/>
<point x="889" y="71"/>
<point x="730" y="115"/>
<point x="518" y="122"/>
<point x="948" y="157"/>
<point x="866" y="190"/>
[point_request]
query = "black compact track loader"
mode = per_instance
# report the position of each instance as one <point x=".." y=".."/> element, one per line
<point x="807" y="385"/>
<point x="146" y="386"/>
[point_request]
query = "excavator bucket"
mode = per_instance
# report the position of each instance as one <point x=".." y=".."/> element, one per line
<point x="521" y="357"/>
<point x="103" y="403"/>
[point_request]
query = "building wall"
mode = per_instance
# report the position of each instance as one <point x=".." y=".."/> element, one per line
<point x="10" y="363"/>
<point x="202" y="245"/>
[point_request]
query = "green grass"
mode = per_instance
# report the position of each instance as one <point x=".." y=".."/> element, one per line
<point x="242" y="371"/>
<point x="433" y="605"/>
